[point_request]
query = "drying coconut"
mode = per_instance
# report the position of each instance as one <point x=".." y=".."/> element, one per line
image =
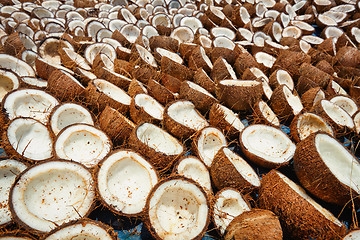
<point x="158" y="146"/>
<point x="136" y="87"/>
<point x="346" y="103"/>
<point x="336" y="116"/>
<point x="207" y="142"/>
<point x="280" y="77"/>
<point x="101" y="93"/>
<point x="13" y="45"/>
<point x="144" y="74"/>
<point x="170" y="82"/>
<point x="300" y="216"/>
<point x="177" y="208"/>
<point x="66" y="114"/>
<point x="64" y="86"/>
<point x="102" y="60"/>
<point x="122" y="191"/>
<point x="182" y="119"/>
<point x="222" y="70"/>
<point x="316" y="75"/>
<point x="356" y="119"/>
<point x="33" y="82"/>
<point x="335" y="88"/>
<point x="262" y="113"/>
<point x="226" y="120"/>
<point x="65" y="186"/>
<point x="19" y="67"/>
<point x="23" y="137"/>
<point x="123" y="53"/>
<point x="291" y="61"/>
<point x="202" y="79"/>
<point x="175" y="69"/>
<point x="144" y="108"/>
<point x="336" y="185"/>
<point x="311" y="97"/>
<point x="255" y="224"/>
<point x="348" y="57"/>
<point x="83" y="228"/>
<point x="160" y="93"/>
<point x="49" y="47"/>
<point x="266" y="146"/>
<point x="9" y="170"/>
<point x="44" y="68"/>
<point x="285" y="103"/>
<point x="95" y="49"/>
<point x="195" y="169"/>
<point x="230" y="170"/>
<point x="199" y="59"/>
<point x="325" y="66"/>
<point x="201" y="98"/>
<point x="9" y="81"/>
<point x="71" y="59"/>
<point x="165" y="42"/>
<point x="244" y="61"/>
<point x="141" y="56"/>
<point x="305" y="124"/>
<point x="254" y="73"/>
<point x="229" y="54"/>
<point x="117" y="79"/>
<point x="228" y="204"/>
<point x="115" y="125"/>
<point x="16" y="236"/>
<point x="353" y="235"/>
<point x="160" y="52"/>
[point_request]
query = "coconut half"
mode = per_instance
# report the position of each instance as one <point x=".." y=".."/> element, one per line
<point x="82" y="229"/>
<point x="51" y="193"/>
<point x="48" y="49"/>
<point x="145" y="108"/>
<point x="266" y="146"/>
<point x="336" y="184"/>
<point x="9" y="170"/>
<point x="346" y="103"/>
<point x="16" y="65"/>
<point x="353" y="235"/>
<point x="23" y="138"/>
<point x="67" y="114"/>
<point x="229" y="203"/>
<point x="8" y="82"/>
<point x="124" y="181"/>
<point x="32" y="103"/>
<point x="82" y="143"/>
<point x="177" y="208"/>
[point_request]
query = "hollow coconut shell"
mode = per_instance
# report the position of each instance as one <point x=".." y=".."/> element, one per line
<point x="165" y="42"/>
<point x="202" y="79"/>
<point x="142" y="113"/>
<point x="136" y="87"/>
<point x="13" y="45"/>
<point x="300" y="216"/>
<point x="263" y="114"/>
<point x="170" y="82"/>
<point x="115" y="78"/>
<point x="348" y="57"/>
<point x="258" y="224"/>
<point x="175" y="69"/>
<point x="311" y="97"/>
<point x="316" y="75"/>
<point x="230" y="170"/>
<point x="310" y="168"/>
<point x="243" y="62"/>
<point x="160" y="93"/>
<point x="291" y="61"/>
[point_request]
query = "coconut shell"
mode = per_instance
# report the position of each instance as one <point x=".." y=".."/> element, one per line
<point x="159" y="160"/>
<point x="325" y="67"/>
<point x="273" y="79"/>
<point x="81" y="74"/>
<point x="138" y="114"/>
<point x="123" y="67"/>
<point x="348" y="57"/>
<point x="201" y="100"/>
<point x="291" y="61"/>
<point x="115" y="125"/>
<point x="310" y="169"/>
<point x="318" y="55"/>
<point x="123" y="55"/>
<point x="196" y="60"/>
<point x="229" y="55"/>
<point x="316" y="75"/>
<point x="63" y="87"/>
<point x="165" y="42"/>
<point x="117" y="79"/>
<point x="170" y="82"/>
<point x="175" y="69"/>
<point x="98" y="100"/>
<point x="136" y="87"/>
<point x="186" y="49"/>
<point x="160" y="93"/>
<point x="220" y="71"/>
<point x="144" y="74"/>
<point x="299" y="219"/>
<point x="13" y="45"/>
<point x="117" y="35"/>
<point x="309" y="96"/>
<point x="224" y="174"/>
<point x="257" y="224"/>
<point x="304" y="84"/>
<point x="202" y="79"/>
<point x="243" y="62"/>
<point x="43" y="69"/>
<point x="259" y="117"/>
<point x="239" y="98"/>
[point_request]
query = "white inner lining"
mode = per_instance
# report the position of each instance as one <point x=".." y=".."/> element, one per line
<point x="209" y="143"/>
<point x="337" y="114"/>
<point x="309" y="123"/>
<point x="112" y="91"/>
<point x="193" y="168"/>
<point x="150" y="105"/>
<point x="231" y="117"/>
<point x="293" y="100"/>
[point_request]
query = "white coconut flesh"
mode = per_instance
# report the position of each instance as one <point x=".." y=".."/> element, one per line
<point x="78" y="59"/>
<point x="283" y="77"/>
<point x="342" y="164"/>
<point x="357" y="122"/>
<point x="269" y="143"/>
<point x="9" y="170"/>
<point x="33" y="81"/>
<point x="243" y="168"/>
<point x="240" y="83"/>
<point x="223" y="32"/>
<point x="194" y="169"/>
<point x="229" y="69"/>
<point x="146" y="55"/>
<point x="312" y="39"/>
<point x="268" y="113"/>
<point x="301" y="192"/>
<point x="26" y="135"/>
<point x="32" y="103"/>
<point x="81" y="231"/>
<point x="161" y="19"/>
<point x="183" y="34"/>
<point x="52" y="193"/>
<point x="258" y="73"/>
<point x="48" y="49"/>
<point x="125" y="180"/>
<point x="96" y="48"/>
<point x="173" y="56"/>
<point x="8" y="81"/>
<point x="158" y="139"/>
<point x="199" y="88"/>
<point x="266" y="88"/>
<point x="150" y="105"/>
<point x="208" y="144"/>
<point x="112" y="91"/>
<point x="178" y="209"/>
<point x="93" y="27"/>
<point x="107" y="62"/>
<point x="184" y="112"/>
<point x="16" y="65"/>
<point x="266" y="59"/>
<point x="130" y="32"/>
<point x="337" y="88"/>
<point x="231" y="117"/>
<point x="205" y="41"/>
<point x="337" y="114"/>
<point x="320" y="95"/>
<point x="224" y="42"/>
<point x="68" y="114"/>
<point x="191" y="22"/>
<point x="309" y="123"/>
<point x="293" y="100"/>
<point x="292" y="31"/>
<point x="345" y="103"/>
<point x="228" y="204"/>
<point x="82" y="143"/>
<point x="354" y="235"/>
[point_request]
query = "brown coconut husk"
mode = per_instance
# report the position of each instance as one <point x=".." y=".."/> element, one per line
<point x="309" y="96"/>
<point x="186" y="49"/>
<point x="136" y="87"/>
<point x="170" y="82"/>
<point x="316" y="75"/>
<point x="175" y="69"/>
<point x="138" y="114"/>
<point x="304" y="84"/>
<point x="160" y="93"/>
<point x="325" y="66"/>
<point x="144" y="74"/>
<point x="229" y="55"/>
<point x="259" y="116"/>
<point x="243" y="62"/>
<point x="196" y="60"/>
<point x="117" y="79"/>
<point x="115" y="125"/>
<point x="291" y="61"/>
<point x="257" y="224"/>
<point x="348" y="57"/>
<point x="123" y="67"/>
<point x="220" y="71"/>
<point x="43" y="69"/>
<point x="13" y="45"/>
<point x="202" y="79"/>
<point x="165" y="42"/>
<point x="299" y="219"/>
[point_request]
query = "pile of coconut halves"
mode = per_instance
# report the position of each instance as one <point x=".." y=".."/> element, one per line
<point x="220" y="116"/>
